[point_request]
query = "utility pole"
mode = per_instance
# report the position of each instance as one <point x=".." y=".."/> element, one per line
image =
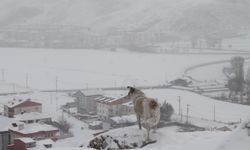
<point x="187" y="113"/>
<point x="14" y="88"/>
<point x="179" y="101"/>
<point x="3" y="72"/>
<point x="181" y="115"/>
<point x="27" y="80"/>
<point x="214" y="112"/>
<point x="56" y="92"/>
<point x="56" y="84"/>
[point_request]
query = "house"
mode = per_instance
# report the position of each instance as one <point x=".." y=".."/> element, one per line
<point x="33" y="117"/>
<point x="5" y="137"/>
<point x="19" y="106"/>
<point x="110" y="107"/>
<point x="86" y="101"/>
<point x="22" y="144"/>
<point x="29" y="143"/>
<point x="34" y="131"/>
<point x="128" y="108"/>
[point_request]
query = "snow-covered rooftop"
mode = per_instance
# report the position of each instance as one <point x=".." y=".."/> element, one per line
<point x="110" y="100"/>
<point x="26" y="140"/>
<point x="31" y="116"/>
<point x="14" y="102"/>
<point x="33" y="128"/>
<point x="104" y="99"/>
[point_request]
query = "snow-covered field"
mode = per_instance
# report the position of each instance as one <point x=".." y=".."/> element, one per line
<point x="90" y="68"/>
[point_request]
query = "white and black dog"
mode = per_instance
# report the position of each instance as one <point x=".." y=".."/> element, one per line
<point x="147" y="109"/>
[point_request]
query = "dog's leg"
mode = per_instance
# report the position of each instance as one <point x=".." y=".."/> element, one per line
<point x="148" y="130"/>
<point x="155" y="128"/>
<point x="139" y="121"/>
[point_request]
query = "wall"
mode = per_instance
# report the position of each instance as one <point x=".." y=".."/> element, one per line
<point x="19" y="110"/>
<point x="40" y="135"/>
<point x="4" y="140"/>
<point x="18" y="145"/>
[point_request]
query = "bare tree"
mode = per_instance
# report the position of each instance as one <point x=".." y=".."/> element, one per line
<point x="64" y="125"/>
<point x="235" y="75"/>
<point x="247" y="80"/>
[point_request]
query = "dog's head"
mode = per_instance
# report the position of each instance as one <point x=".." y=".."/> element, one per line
<point x="134" y="92"/>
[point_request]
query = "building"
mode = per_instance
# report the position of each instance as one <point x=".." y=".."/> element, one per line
<point x="29" y="143"/>
<point x="109" y="107"/>
<point x="19" y="106"/>
<point x="86" y="101"/>
<point x="128" y="108"/>
<point x="34" y="131"/>
<point x="33" y="117"/>
<point x="5" y="137"/>
<point x="22" y="144"/>
<point x="122" y="121"/>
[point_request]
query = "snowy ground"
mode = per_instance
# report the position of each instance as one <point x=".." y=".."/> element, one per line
<point x="201" y="110"/>
<point x="169" y="138"/>
<point x="200" y="106"/>
<point x="236" y="140"/>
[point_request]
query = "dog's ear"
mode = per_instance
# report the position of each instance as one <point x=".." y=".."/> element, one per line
<point x="131" y="89"/>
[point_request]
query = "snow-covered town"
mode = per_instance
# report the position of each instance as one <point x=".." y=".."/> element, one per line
<point x="124" y="74"/>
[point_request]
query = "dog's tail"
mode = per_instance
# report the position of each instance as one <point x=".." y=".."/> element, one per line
<point x="153" y="104"/>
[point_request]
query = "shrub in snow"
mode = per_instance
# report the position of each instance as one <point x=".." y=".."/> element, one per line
<point x="64" y="125"/>
<point x="167" y="111"/>
<point x="108" y="142"/>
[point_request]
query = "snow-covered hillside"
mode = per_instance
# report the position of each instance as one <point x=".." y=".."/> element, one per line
<point x="135" y="15"/>
<point x="96" y="14"/>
